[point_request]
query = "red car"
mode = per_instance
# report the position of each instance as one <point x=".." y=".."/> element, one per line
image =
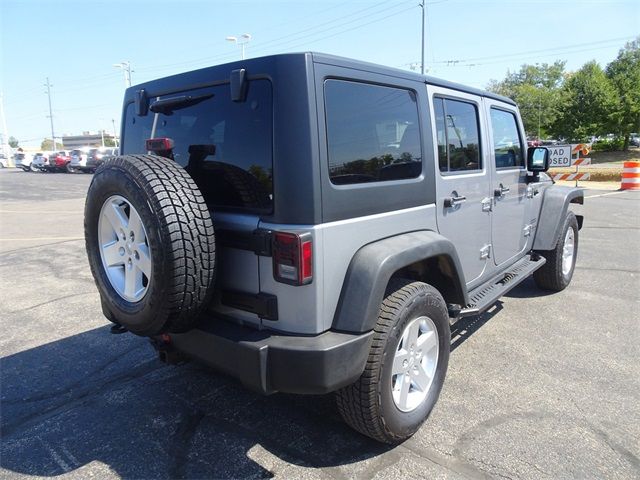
<point x="59" y="161"/>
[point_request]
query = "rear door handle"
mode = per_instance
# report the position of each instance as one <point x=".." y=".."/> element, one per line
<point x="454" y="201"/>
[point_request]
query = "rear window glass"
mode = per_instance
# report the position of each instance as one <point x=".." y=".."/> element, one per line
<point x="225" y="146"/>
<point x="373" y="133"/>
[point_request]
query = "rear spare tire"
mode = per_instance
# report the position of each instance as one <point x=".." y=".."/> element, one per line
<point x="150" y="242"/>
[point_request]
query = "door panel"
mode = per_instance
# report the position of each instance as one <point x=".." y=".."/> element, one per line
<point x="509" y="232"/>
<point x="462" y="178"/>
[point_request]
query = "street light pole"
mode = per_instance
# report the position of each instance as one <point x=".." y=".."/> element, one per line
<point x="242" y="41"/>
<point x="423" y="6"/>
<point x="126" y="69"/>
<point x="48" y="92"/>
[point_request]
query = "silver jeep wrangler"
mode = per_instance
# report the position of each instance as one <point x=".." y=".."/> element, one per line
<point x="313" y="224"/>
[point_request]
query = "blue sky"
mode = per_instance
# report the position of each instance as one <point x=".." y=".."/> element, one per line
<point x="76" y="43"/>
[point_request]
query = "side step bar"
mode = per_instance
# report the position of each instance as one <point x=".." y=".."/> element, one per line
<point x="484" y="296"/>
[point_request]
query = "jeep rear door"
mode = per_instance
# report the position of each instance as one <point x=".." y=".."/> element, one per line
<point x="510" y="226"/>
<point x="463" y="202"/>
<point x="226" y="146"/>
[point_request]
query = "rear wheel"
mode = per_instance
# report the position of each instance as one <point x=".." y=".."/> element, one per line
<point x="150" y="243"/>
<point x="557" y="272"/>
<point x="406" y="367"/>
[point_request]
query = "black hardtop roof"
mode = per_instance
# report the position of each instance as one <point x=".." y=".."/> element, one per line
<point x="324" y="59"/>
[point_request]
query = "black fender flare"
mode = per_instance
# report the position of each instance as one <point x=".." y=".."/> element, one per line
<point x="374" y="264"/>
<point x="555" y="204"/>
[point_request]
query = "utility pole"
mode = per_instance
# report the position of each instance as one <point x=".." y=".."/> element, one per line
<point x="424" y="7"/>
<point x="48" y="92"/>
<point x="126" y="69"/>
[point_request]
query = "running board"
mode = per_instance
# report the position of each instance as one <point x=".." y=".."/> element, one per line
<point x="484" y="296"/>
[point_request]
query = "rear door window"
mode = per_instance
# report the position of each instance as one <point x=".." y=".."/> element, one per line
<point x="458" y="135"/>
<point x="225" y="146"/>
<point x="373" y="133"/>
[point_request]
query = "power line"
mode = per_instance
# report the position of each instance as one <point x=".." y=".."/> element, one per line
<point x="297" y="36"/>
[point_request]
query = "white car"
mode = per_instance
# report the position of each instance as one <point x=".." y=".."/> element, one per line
<point x="79" y="159"/>
<point x="4" y="161"/>
<point x="23" y="160"/>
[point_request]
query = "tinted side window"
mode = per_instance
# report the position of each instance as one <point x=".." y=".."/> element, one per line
<point x="373" y="133"/>
<point x="458" y="135"/>
<point x="507" y="144"/>
<point x="225" y="146"/>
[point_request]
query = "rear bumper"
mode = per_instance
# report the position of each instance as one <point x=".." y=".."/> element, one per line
<point x="270" y="362"/>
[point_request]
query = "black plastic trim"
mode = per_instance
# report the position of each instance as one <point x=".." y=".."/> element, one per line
<point x="258" y="241"/>
<point x="262" y="304"/>
<point x="269" y="362"/>
<point x="373" y="266"/>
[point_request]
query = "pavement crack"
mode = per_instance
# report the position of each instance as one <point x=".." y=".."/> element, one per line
<point x="182" y="440"/>
<point x="69" y="388"/>
<point x="78" y="400"/>
<point x="48" y="302"/>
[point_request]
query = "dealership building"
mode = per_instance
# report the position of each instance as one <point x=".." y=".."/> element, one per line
<point x="88" y="139"/>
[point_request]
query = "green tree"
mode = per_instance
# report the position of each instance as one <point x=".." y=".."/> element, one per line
<point x="109" y="142"/>
<point x="47" y="145"/>
<point x="624" y="74"/>
<point x="536" y="90"/>
<point x="588" y="104"/>
<point x="13" y="142"/>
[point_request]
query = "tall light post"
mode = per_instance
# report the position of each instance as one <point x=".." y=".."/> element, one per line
<point x="424" y="7"/>
<point x="242" y="40"/>
<point x="126" y="69"/>
<point x="48" y="92"/>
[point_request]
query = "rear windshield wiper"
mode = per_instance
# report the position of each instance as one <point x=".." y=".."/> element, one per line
<point x="167" y="106"/>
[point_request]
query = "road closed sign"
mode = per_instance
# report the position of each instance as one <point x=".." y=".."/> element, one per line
<point x="560" y="156"/>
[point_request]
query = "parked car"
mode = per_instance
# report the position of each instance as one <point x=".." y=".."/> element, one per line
<point x="23" y="160"/>
<point x="40" y="162"/>
<point x="318" y="225"/>
<point x="79" y="159"/>
<point x="59" y="161"/>
<point x="96" y="157"/>
<point x="634" y="140"/>
<point x="4" y="161"/>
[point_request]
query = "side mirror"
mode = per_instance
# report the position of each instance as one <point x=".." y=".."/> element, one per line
<point x="538" y="159"/>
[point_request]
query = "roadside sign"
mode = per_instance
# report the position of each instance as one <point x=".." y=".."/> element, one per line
<point x="569" y="155"/>
<point x="560" y="156"/>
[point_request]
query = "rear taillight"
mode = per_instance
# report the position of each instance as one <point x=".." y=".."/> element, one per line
<point x="292" y="258"/>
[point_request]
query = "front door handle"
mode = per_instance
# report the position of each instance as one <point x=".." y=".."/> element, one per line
<point x="454" y="201"/>
<point x="500" y="192"/>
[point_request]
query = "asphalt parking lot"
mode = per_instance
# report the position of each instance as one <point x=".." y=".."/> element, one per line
<point x="541" y="386"/>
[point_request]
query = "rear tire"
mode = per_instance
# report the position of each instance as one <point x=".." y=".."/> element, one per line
<point x="172" y="257"/>
<point x="557" y="272"/>
<point x="373" y="405"/>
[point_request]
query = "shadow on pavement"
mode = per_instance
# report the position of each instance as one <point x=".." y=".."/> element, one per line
<point x="97" y="397"/>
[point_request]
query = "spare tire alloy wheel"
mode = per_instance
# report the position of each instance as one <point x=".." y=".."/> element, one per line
<point x="124" y="248"/>
<point x="151" y="245"/>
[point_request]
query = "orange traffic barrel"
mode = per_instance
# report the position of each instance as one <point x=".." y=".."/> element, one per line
<point x="630" y="176"/>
